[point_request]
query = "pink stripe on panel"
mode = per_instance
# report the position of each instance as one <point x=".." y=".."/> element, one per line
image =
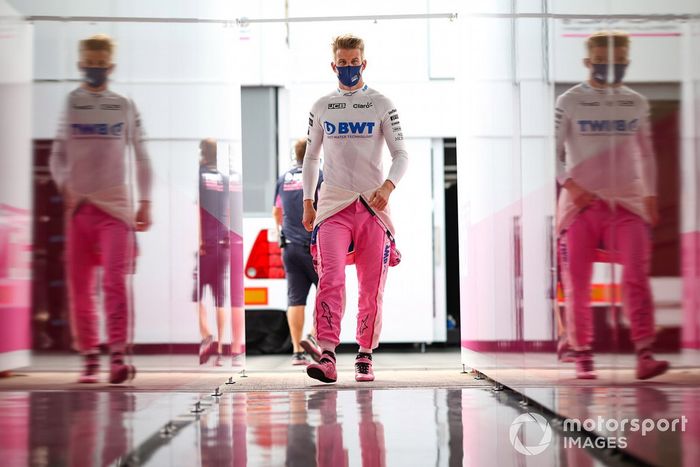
<point x="690" y="264"/>
<point x="634" y="34"/>
<point x="13" y="209"/>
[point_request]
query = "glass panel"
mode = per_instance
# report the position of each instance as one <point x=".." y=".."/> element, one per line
<point x="15" y="192"/>
<point x="489" y="153"/>
<point x="162" y="101"/>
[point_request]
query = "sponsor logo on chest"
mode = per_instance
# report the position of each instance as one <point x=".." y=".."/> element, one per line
<point x="108" y="130"/>
<point x="597" y="127"/>
<point x="293" y="182"/>
<point x="349" y="129"/>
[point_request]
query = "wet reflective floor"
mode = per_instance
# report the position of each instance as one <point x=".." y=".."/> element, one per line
<point x="421" y="411"/>
<point x="421" y="427"/>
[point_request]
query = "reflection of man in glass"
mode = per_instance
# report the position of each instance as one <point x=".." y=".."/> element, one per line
<point x="213" y="248"/>
<point x="606" y="166"/>
<point x="75" y="428"/>
<point x="295" y="241"/>
<point x="330" y="448"/>
<point x="352" y="124"/>
<point x="92" y="169"/>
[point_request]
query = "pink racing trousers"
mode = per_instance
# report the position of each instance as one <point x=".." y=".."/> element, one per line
<point x="94" y="238"/>
<point x="626" y="236"/>
<point x="372" y="250"/>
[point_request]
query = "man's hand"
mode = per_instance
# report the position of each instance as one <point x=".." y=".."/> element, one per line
<point x="309" y="215"/>
<point x="380" y="198"/>
<point x="582" y="198"/>
<point x="652" y="208"/>
<point x="143" y="216"/>
<point x="68" y="203"/>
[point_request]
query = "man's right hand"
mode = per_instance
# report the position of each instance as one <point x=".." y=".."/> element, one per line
<point x="582" y="198"/>
<point x="309" y="215"/>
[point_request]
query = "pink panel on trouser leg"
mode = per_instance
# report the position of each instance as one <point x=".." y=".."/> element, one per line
<point x="81" y="260"/>
<point x="632" y="246"/>
<point x="332" y="242"/>
<point x="116" y="251"/>
<point x="372" y="250"/>
<point x="95" y="237"/>
<point x="625" y="235"/>
<point x="576" y="253"/>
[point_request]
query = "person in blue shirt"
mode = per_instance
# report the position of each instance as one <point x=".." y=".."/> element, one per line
<point x="213" y="249"/>
<point x="295" y="241"/>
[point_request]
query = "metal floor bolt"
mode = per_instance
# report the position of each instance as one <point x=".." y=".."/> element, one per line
<point x="168" y="430"/>
<point x="197" y="407"/>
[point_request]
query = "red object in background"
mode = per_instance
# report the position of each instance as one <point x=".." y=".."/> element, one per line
<point x="265" y="259"/>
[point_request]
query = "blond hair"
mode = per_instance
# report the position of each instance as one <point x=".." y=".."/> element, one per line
<point x="98" y="42"/>
<point x="348" y="41"/>
<point x="300" y="149"/>
<point x="208" y="148"/>
<point x="605" y="38"/>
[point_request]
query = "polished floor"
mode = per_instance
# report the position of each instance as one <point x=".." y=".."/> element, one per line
<point x="422" y="411"/>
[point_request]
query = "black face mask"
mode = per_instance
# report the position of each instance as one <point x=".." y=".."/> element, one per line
<point x="95" y="77"/>
<point x="600" y="72"/>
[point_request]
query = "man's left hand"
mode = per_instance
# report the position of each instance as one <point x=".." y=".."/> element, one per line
<point x="380" y="198"/>
<point x="143" y="216"/>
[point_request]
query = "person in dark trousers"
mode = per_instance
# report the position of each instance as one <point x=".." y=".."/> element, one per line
<point x="298" y="264"/>
<point x="213" y="249"/>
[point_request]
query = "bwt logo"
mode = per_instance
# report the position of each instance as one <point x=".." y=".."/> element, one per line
<point x="345" y="128"/>
<point x="606" y="126"/>
<point x="98" y="129"/>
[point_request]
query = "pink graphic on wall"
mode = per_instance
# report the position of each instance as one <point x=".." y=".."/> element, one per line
<point x="15" y="280"/>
